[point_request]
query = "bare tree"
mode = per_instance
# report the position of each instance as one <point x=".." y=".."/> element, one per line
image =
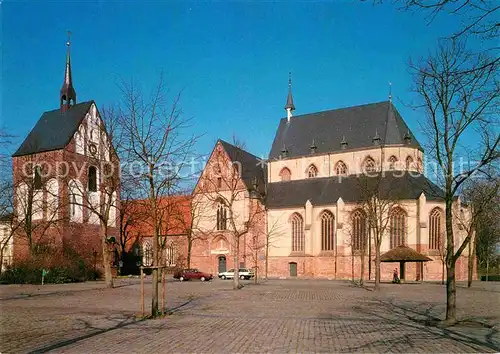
<point x="259" y="244"/>
<point x="36" y="205"/>
<point x="459" y="95"/>
<point x="377" y="203"/>
<point x="483" y="198"/>
<point x="357" y="229"/>
<point x="155" y="150"/>
<point x="238" y="208"/>
<point x="100" y="196"/>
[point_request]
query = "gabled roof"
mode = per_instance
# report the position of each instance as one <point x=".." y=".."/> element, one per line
<point x="253" y="168"/>
<point x="358" y="124"/>
<point x="327" y="190"/>
<point x="54" y="130"/>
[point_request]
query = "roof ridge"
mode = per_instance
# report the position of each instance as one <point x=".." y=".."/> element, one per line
<point x="77" y="104"/>
<point x="336" y="109"/>
<point x="236" y="147"/>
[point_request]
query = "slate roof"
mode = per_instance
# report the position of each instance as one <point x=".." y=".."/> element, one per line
<point x="358" y="124"/>
<point x="327" y="190"/>
<point x="403" y="254"/>
<point x="54" y="130"/>
<point x="251" y="166"/>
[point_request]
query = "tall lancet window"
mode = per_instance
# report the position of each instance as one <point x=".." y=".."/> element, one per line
<point x="221" y="216"/>
<point x="359" y="230"/>
<point x="92" y="179"/>
<point x="327" y="232"/>
<point x="436" y="229"/>
<point x="398" y="227"/>
<point x="298" y="240"/>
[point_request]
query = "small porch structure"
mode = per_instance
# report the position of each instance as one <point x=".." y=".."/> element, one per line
<point x="404" y="254"/>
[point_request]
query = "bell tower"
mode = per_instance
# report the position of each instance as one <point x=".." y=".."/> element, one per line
<point x="68" y="94"/>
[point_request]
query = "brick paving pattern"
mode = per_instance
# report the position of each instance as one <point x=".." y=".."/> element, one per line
<point x="279" y="316"/>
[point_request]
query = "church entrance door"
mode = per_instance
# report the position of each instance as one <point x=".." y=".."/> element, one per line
<point x="293" y="269"/>
<point x="222" y="264"/>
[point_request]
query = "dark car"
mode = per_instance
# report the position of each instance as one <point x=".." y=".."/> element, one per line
<point x="188" y="274"/>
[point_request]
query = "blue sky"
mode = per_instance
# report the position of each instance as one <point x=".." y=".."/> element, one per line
<point x="231" y="59"/>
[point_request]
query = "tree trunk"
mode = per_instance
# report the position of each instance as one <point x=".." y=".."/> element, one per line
<point x="377" y="267"/>
<point x="190" y="246"/>
<point x="267" y="256"/>
<point x="362" y="268"/>
<point x="442" y="272"/>
<point x="470" y="268"/>
<point x="256" y="274"/>
<point x="487" y="269"/>
<point x="451" y="294"/>
<point x="236" y="260"/>
<point x="352" y="264"/>
<point x="108" y="276"/>
<point x="1" y="260"/>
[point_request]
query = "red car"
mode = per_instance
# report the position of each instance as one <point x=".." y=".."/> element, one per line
<point x="188" y="274"/>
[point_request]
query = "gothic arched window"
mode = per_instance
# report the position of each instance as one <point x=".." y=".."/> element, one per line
<point x="398" y="227"/>
<point x="285" y="174"/>
<point x="369" y="165"/>
<point x="92" y="179"/>
<point x="327" y="231"/>
<point x="221" y="216"/>
<point x="312" y="171"/>
<point x="298" y="240"/>
<point x="436" y="229"/>
<point x="392" y="162"/>
<point x="341" y="168"/>
<point x="359" y="230"/>
<point x="409" y="162"/>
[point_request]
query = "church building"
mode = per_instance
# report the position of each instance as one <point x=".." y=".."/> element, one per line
<point x="66" y="178"/>
<point x="311" y="193"/>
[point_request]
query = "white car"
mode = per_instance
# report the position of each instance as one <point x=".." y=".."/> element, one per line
<point x="243" y="274"/>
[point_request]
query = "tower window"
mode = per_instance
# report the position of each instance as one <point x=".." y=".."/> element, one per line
<point x="92" y="182"/>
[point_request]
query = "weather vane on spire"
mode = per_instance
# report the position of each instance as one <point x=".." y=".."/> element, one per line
<point x="390" y="91"/>
<point x="289" y="78"/>
<point x="68" y="43"/>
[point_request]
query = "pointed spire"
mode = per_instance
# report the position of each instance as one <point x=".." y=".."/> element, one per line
<point x="289" y="107"/>
<point x="68" y="94"/>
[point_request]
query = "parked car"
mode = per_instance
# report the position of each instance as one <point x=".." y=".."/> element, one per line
<point x="188" y="274"/>
<point x="243" y="274"/>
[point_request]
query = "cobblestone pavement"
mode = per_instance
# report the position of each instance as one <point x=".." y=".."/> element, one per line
<point x="278" y="316"/>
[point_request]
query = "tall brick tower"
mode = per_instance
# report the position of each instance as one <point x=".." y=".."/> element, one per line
<point x="65" y="173"/>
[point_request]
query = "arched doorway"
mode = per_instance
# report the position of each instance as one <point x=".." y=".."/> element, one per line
<point x="222" y="264"/>
<point x="293" y="269"/>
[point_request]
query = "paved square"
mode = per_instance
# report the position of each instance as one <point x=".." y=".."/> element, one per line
<point x="278" y="316"/>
